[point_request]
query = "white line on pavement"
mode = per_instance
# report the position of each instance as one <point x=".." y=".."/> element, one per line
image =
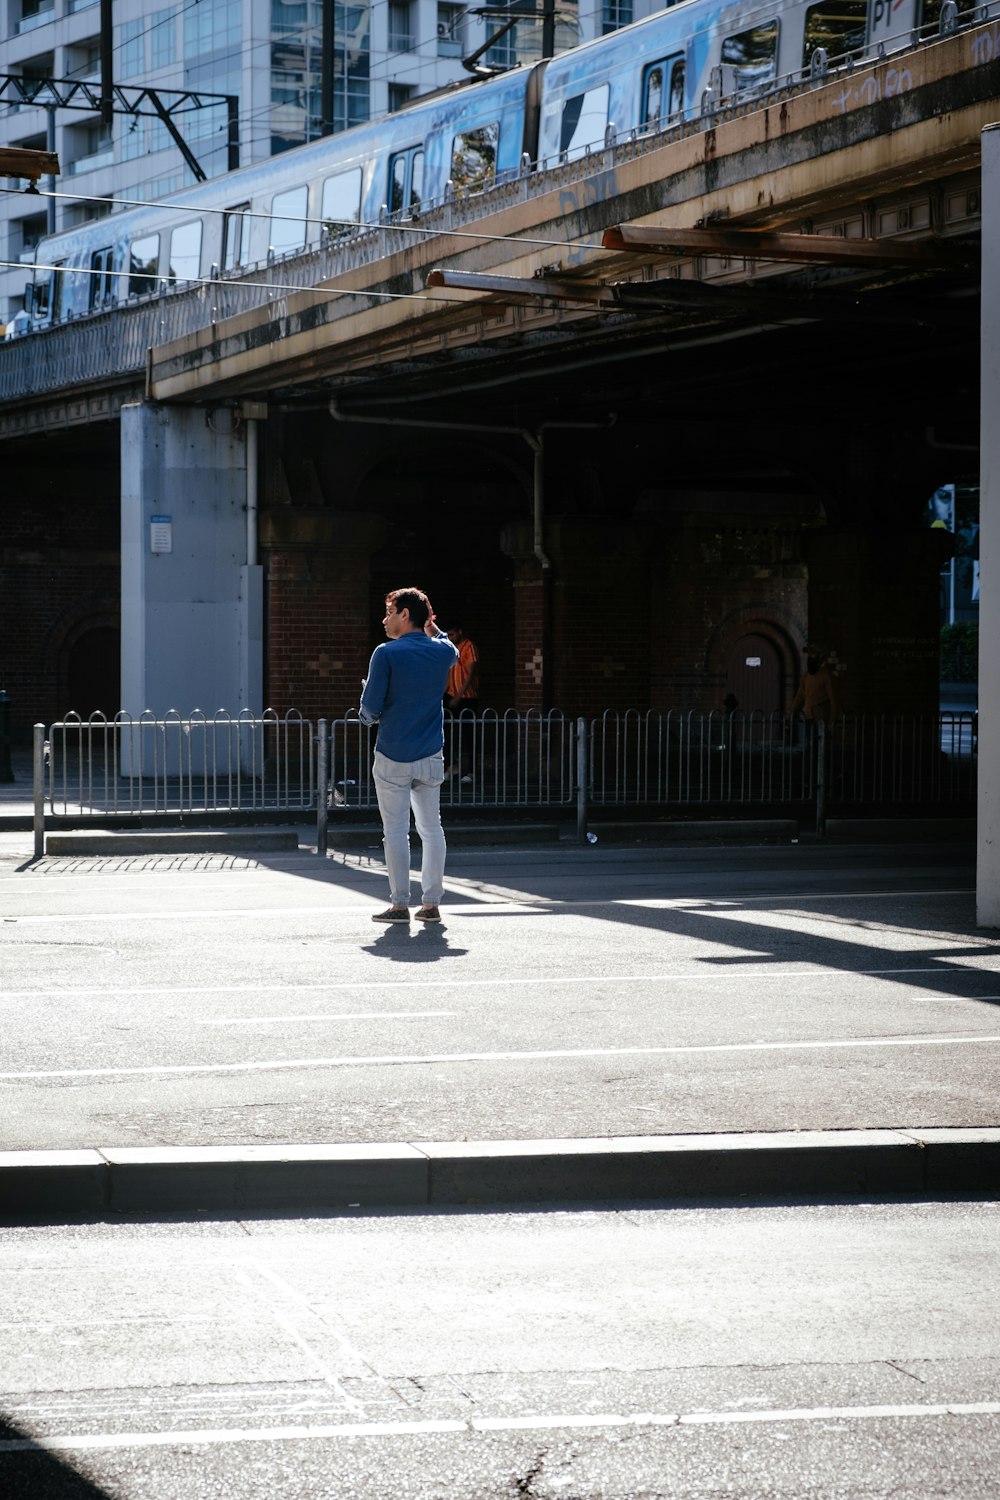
<point x="64" y="992"/>
<point x="204" y="1437"/>
<point x="423" y="1059"/>
<point x="483" y="908"/>
<point x="333" y="1015"/>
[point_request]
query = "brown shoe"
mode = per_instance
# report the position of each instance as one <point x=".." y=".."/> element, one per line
<point x="392" y="914"/>
<point x="428" y="914"/>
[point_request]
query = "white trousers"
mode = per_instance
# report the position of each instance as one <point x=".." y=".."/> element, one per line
<point x="400" y="785"/>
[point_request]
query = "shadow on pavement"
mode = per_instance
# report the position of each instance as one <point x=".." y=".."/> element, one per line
<point x="404" y="945"/>
<point x="29" y="1472"/>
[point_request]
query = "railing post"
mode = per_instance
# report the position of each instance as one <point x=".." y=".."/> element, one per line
<point x="582" y="777"/>
<point x="322" y="785"/>
<point x="6" y="769"/>
<point x="821" y="778"/>
<point x="38" y="773"/>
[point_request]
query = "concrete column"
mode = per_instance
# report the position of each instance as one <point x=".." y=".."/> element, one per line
<point x="988" y="863"/>
<point x="191" y="606"/>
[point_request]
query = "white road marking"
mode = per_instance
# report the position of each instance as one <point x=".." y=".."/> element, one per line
<point x="64" y="992"/>
<point x="333" y="1015"/>
<point x="204" y="1437"/>
<point x="523" y="902"/>
<point x="245" y="1274"/>
<point x="424" y="1059"/>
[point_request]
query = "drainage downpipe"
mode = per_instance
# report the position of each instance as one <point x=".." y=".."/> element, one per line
<point x="252" y="493"/>
<point x="536" y="443"/>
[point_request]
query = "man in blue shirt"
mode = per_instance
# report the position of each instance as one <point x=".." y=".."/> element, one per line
<point x="403" y="695"/>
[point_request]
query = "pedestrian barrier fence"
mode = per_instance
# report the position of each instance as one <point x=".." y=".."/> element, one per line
<point x="101" y="769"/>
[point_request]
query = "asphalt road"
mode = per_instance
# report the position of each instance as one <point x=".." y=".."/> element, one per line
<point x="569" y="992"/>
<point x="817" y="1351"/>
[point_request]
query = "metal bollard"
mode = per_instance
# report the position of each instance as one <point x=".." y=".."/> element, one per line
<point x="821" y="768"/>
<point x="6" y="769"/>
<point x="322" y="785"/>
<point x="582" y="778"/>
<point x="38" y="748"/>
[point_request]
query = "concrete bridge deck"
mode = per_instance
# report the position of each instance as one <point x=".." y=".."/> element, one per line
<point x="877" y="153"/>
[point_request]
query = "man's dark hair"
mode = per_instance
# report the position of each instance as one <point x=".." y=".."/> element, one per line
<point x="415" y="600"/>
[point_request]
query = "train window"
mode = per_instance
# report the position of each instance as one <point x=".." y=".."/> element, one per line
<point x="838" y="26"/>
<point x="45" y="298"/>
<point x="397" y="182"/>
<point x="41" y="295"/>
<point x="663" y="91"/>
<point x="584" y="122"/>
<point x="101" y="280"/>
<point x="143" y="265"/>
<point x="288" y="224"/>
<point x="474" y="158"/>
<point x="406" y="180"/>
<point x="236" y="237"/>
<point x="750" y="58"/>
<point x="341" y="200"/>
<point x="185" y="252"/>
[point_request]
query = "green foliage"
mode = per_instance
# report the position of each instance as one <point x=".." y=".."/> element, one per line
<point x="960" y="652"/>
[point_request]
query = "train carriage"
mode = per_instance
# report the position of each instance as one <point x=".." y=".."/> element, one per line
<point x="680" y="64"/>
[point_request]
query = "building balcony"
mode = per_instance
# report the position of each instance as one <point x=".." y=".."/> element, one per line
<point x="104" y="158"/>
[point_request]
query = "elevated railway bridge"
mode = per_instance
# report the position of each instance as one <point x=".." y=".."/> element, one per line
<point x="644" y="419"/>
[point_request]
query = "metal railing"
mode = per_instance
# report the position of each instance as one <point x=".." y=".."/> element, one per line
<point x="147" y="768"/>
<point x="101" y="769"/>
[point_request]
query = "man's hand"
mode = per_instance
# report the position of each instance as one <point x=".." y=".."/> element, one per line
<point x="430" y="627"/>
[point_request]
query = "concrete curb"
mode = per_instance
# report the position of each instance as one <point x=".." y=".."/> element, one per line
<point x="53" y="1187"/>
<point x="152" y="841"/>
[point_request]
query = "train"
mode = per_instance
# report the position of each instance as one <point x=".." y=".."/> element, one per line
<point x="678" y="65"/>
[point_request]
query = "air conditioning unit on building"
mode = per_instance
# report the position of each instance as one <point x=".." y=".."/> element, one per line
<point x="444" y="30"/>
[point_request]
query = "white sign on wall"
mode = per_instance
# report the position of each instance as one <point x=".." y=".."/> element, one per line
<point x="161" y="534"/>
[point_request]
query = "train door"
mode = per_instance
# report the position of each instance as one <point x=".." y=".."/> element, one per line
<point x="663" y="92"/>
<point x="236" y="225"/>
<point x="406" y="181"/>
<point x="46" y="295"/>
<point x="753" y="675"/>
<point x="101" y="289"/>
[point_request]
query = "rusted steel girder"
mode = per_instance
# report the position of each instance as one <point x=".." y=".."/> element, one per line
<point x="802" y="249"/>
<point x="20" y="161"/>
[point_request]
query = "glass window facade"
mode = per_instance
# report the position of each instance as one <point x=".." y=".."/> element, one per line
<point x="131" y="137"/>
<point x="615" y="14"/>
<point x="163" y="38"/>
<point x="296" y="69"/>
<point x="132" y="49"/>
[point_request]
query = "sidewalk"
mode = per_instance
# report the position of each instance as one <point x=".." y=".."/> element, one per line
<point x="662" y="988"/>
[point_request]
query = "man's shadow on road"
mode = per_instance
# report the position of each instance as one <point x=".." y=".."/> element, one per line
<point x="425" y="946"/>
<point x="28" y="1472"/>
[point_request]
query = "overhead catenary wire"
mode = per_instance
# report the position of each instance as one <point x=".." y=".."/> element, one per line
<point x="179" y="283"/>
<point x="427" y="231"/>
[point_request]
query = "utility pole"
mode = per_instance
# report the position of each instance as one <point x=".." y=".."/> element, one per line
<point x="548" y="28"/>
<point x="107" y="64"/>
<point x="328" y="42"/>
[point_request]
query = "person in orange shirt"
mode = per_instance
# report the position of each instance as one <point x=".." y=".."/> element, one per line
<point x="461" y="697"/>
<point x="816" y="696"/>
